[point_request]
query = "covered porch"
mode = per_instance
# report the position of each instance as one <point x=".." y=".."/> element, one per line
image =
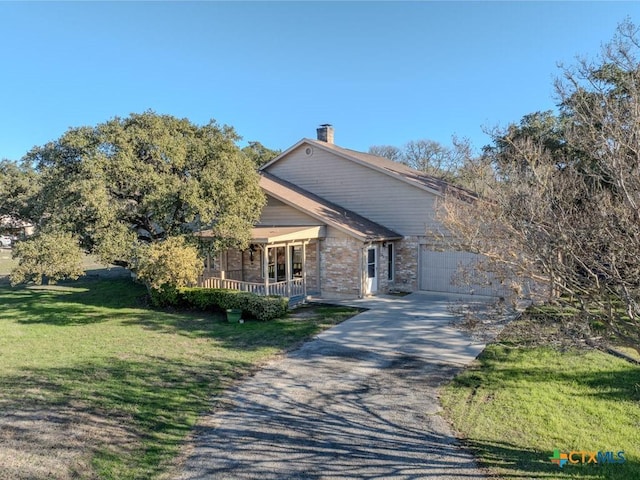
<point x="280" y="260"/>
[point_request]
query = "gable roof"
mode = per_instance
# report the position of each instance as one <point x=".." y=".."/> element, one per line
<point x="396" y="170"/>
<point x="334" y="215"/>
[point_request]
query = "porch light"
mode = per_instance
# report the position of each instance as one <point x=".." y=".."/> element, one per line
<point x="252" y="250"/>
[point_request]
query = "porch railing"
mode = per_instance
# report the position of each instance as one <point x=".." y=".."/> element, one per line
<point x="290" y="288"/>
<point x="228" y="274"/>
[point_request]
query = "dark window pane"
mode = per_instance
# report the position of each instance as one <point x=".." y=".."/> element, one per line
<point x="371" y="270"/>
<point x="296" y="261"/>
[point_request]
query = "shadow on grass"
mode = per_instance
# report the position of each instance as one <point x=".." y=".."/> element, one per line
<point x="153" y="400"/>
<point x="252" y="335"/>
<point x="121" y="299"/>
<point x="81" y="303"/>
<point x="76" y="303"/>
<point x="622" y="383"/>
<point x="512" y="461"/>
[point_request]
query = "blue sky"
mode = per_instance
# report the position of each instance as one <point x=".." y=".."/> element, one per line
<point x="381" y="73"/>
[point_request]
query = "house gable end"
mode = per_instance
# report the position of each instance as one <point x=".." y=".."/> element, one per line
<point x="326" y="212"/>
<point x="377" y="195"/>
<point x="277" y="212"/>
<point x="393" y="169"/>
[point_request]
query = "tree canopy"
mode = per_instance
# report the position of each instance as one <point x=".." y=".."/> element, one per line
<point x="19" y="188"/>
<point x="428" y="156"/>
<point x="259" y="154"/>
<point x="49" y="256"/>
<point x="135" y="181"/>
<point x="565" y="205"/>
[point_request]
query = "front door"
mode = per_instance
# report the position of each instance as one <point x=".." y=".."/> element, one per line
<point x="372" y="270"/>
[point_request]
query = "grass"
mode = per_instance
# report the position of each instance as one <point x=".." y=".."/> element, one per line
<point x="95" y="385"/>
<point x="516" y="405"/>
<point x="6" y="262"/>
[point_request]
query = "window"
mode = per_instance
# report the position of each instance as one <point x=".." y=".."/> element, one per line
<point x="390" y="262"/>
<point x="271" y="264"/>
<point x="296" y="261"/>
<point x="371" y="263"/>
<point x="277" y="264"/>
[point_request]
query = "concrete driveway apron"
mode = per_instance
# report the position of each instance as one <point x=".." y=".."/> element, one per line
<point x="357" y="402"/>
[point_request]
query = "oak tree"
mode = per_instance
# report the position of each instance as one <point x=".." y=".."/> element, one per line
<point x="139" y="180"/>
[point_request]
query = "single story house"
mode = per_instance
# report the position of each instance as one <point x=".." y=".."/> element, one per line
<point x="342" y="223"/>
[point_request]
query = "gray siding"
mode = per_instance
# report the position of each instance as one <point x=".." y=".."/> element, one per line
<point x="277" y="213"/>
<point x="406" y="209"/>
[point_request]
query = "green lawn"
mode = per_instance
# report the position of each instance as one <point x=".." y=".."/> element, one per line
<point x="6" y="262"/>
<point x="93" y="384"/>
<point x="516" y="405"/>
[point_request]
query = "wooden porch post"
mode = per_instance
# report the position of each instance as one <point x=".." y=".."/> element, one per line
<point x="266" y="269"/>
<point x="287" y="268"/>
<point x="223" y="264"/>
<point x="304" y="269"/>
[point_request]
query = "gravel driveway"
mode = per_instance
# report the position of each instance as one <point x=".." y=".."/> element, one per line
<point x="358" y="402"/>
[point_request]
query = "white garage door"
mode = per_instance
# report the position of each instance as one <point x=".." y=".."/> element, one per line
<point x="437" y="270"/>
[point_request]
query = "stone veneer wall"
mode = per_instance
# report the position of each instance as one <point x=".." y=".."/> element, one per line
<point x="311" y="265"/>
<point x="383" y="269"/>
<point x="340" y="264"/>
<point x="234" y="260"/>
<point x="252" y="271"/>
<point x="406" y="275"/>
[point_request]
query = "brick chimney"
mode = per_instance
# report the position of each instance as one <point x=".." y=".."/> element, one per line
<point x="325" y="133"/>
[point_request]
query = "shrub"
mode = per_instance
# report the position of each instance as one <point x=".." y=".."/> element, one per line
<point x="266" y="308"/>
<point x="262" y="308"/>
<point x="49" y="255"/>
<point x="165" y="296"/>
<point x="172" y="262"/>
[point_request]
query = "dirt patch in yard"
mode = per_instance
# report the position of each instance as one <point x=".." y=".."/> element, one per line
<point x="57" y="443"/>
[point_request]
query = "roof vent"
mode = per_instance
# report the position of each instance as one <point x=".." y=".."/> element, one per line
<point x="325" y="133"/>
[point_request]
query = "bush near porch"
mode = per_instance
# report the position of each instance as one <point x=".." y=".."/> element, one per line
<point x="212" y="299"/>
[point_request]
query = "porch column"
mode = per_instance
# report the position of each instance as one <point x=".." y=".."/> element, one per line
<point x="265" y="269"/>
<point x="223" y="264"/>
<point x="304" y="269"/>
<point x="287" y="268"/>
